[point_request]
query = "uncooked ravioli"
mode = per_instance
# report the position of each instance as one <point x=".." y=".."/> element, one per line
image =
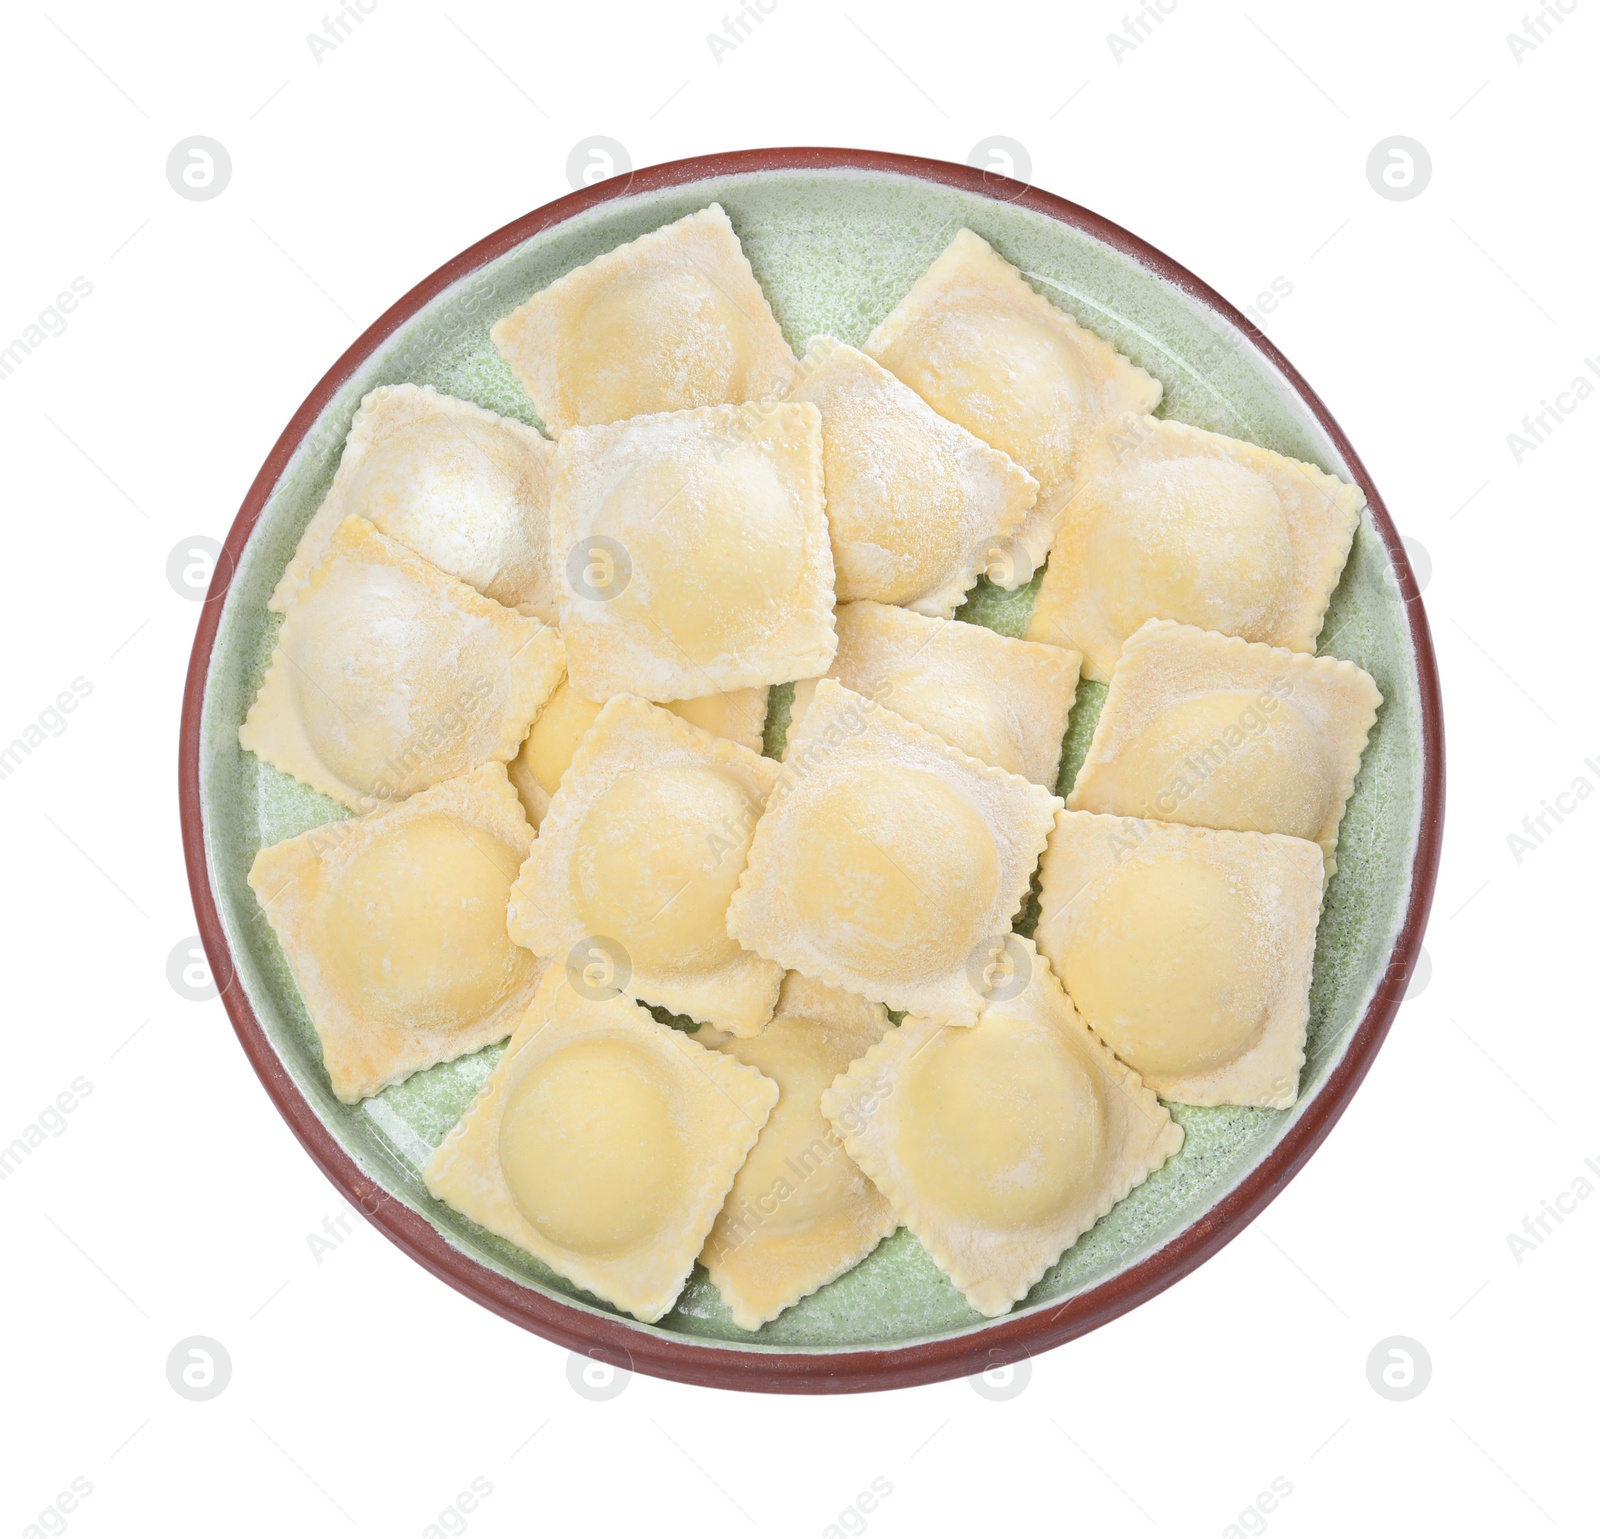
<point x="998" y="1144"/>
<point x="603" y="1144"/>
<point x="889" y="863"/>
<point x="984" y="349"/>
<point x="641" y="849"/>
<point x="670" y="321"/>
<point x="389" y="676"/>
<point x="694" y="555"/>
<point x="394" y="927"/>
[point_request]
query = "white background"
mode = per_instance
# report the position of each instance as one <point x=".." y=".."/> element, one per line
<point x="364" y="1394"/>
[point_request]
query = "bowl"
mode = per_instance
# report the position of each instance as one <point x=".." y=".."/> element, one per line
<point x="836" y="237"/>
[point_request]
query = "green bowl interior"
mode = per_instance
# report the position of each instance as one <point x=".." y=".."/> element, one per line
<point x="834" y="250"/>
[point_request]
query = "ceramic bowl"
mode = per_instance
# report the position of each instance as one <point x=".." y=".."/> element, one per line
<point x="836" y="237"/>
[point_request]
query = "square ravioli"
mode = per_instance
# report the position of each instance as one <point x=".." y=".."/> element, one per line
<point x="394" y="927"/>
<point x="453" y="482"/>
<point x="998" y="1144"/>
<point x="603" y="1144"/>
<point x="888" y="863"/>
<point x="1173" y="523"/>
<point x="1000" y="700"/>
<point x="389" y="676"/>
<point x="1211" y="730"/>
<point x="801" y="1212"/>
<point x="916" y="504"/>
<point x="982" y="348"/>
<point x="691" y="552"/>
<point x="671" y="320"/>
<point x="1187" y="950"/>
<point x="636" y="860"/>
<point x="740" y="715"/>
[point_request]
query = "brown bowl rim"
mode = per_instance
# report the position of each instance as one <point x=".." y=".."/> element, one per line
<point x="614" y="1340"/>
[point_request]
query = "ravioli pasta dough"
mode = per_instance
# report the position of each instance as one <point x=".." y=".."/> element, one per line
<point x="1211" y="730"/>
<point x="1174" y="523"/>
<point x="388" y="676"/>
<point x="672" y="320"/>
<point x="915" y="502"/>
<point x="641" y="849"/>
<point x="394" y="928"/>
<point x="453" y="482"/>
<point x="800" y="1212"/>
<point x="1187" y="950"/>
<point x="1000" y="700"/>
<point x="1000" y="1143"/>
<point x="982" y="348"/>
<point x="693" y="552"/>
<point x="888" y="863"/>
<point x="604" y="1145"/>
<point x="740" y="715"/>
<point x="713" y="520"/>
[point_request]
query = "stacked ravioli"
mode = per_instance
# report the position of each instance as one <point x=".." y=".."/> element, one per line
<point x="673" y="770"/>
